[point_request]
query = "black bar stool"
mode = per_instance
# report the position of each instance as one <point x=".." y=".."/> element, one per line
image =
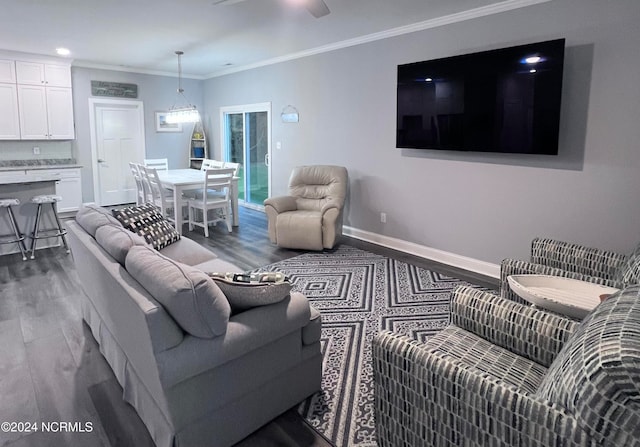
<point x="19" y="237"/>
<point x="49" y="232"/>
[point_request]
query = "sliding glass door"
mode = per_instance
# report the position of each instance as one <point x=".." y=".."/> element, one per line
<point x="246" y="137"/>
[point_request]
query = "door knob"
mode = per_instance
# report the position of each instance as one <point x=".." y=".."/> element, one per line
<point x="100" y="160"/>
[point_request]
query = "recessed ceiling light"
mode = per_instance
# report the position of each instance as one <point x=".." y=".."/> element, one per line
<point x="533" y="59"/>
<point x="63" y="51"/>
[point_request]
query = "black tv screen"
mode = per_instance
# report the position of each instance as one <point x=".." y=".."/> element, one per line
<point x="505" y="100"/>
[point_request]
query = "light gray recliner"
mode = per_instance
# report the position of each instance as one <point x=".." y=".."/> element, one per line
<point x="310" y="217"/>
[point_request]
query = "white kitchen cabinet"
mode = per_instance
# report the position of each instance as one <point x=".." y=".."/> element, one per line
<point x="7" y="71"/>
<point x="46" y="113"/>
<point x="35" y="73"/>
<point x="70" y="188"/>
<point x="10" y="122"/>
<point x="68" y="185"/>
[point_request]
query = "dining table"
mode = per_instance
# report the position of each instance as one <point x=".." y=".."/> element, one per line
<point x="181" y="180"/>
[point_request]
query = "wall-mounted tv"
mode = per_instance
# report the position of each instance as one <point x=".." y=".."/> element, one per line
<point x="505" y="100"/>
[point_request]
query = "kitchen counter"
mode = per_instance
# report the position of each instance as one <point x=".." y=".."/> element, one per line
<point x="23" y="165"/>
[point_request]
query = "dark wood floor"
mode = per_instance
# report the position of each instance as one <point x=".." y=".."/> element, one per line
<point x="51" y="369"/>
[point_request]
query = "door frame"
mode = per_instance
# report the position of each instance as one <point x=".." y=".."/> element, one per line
<point x="248" y="108"/>
<point x="94" y="104"/>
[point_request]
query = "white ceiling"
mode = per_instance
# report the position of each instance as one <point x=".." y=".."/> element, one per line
<point x="142" y="35"/>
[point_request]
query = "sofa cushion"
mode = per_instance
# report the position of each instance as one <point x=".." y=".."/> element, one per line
<point x="629" y="271"/>
<point x="117" y="240"/>
<point x="91" y="217"/>
<point x="188" y="294"/>
<point x="188" y="252"/>
<point x="596" y="375"/>
<point x="244" y="295"/>
<point x="147" y="221"/>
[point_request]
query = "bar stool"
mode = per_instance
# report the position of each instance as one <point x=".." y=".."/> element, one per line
<point x="8" y="203"/>
<point x="50" y="232"/>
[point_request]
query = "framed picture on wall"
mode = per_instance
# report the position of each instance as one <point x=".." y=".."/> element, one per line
<point x="163" y="126"/>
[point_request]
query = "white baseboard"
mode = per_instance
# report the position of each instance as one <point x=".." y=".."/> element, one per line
<point x="444" y="257"/>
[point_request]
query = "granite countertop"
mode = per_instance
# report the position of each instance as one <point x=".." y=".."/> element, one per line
<point x="21" y="165"/>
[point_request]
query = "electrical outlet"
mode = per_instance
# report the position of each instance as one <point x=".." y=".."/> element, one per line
<point x="36" y="150"/>
<point x="383" y="217"/>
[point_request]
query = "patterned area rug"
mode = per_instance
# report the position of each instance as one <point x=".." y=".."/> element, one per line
<point x="360" y="293"/>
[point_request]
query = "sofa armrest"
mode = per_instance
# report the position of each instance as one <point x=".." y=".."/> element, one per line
<point x="517" y="267"/>
<point x="525" y="330"/>
<point x="246" y="331"/>
<point x="282" y="204"/>
<point x="422" y="395"/>
<point x="576" y="258"/>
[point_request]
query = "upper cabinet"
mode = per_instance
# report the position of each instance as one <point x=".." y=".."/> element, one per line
<point x="7" y="71"/>
<point x="50" y="75"/>
<point x="42" y="106"/>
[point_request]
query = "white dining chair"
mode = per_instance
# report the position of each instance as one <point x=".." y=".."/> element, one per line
<point x="140" y="192"/>
<point x="208" y="163"/>
<point x="235" y="166"/>
<point x="160" y="197"/>
<point x="161" y="164"/>
<point x="215" y="197"/>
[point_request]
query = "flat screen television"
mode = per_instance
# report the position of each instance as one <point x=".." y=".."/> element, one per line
<point x="505" y="100"/>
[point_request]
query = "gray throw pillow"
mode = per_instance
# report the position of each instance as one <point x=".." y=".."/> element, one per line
<point x="117" y="241"/>
<point x="91" y="217"/>
<point x="247" y="295"/>
<point x="189" y="295"/>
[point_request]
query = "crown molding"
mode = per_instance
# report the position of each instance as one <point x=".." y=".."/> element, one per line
<point x="173" y="74"/>
<point x="475" y="13"/>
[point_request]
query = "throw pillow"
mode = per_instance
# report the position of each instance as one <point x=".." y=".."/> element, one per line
<point x="91" y="217"/>
<point x="243" y="295"/>
<point x="146" y="221"/>
<point x="191" y="298"/>
<point x="117" y="241"/>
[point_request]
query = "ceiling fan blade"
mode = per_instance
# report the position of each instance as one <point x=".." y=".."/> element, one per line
<point x="317" y="8"/>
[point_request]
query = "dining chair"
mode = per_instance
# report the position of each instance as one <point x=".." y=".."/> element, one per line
<point x="160" y="197"/>
<point x="209" y="163"/>
<point x="140" y="192"/>
<point x="215" y="196"/>
<point x="161" y="164"/>
<point x="235" y="166"/>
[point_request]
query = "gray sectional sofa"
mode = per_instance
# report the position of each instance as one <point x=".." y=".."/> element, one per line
<point x="216" y="387"/>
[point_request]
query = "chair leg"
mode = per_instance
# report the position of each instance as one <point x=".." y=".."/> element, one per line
<point x="205" y="221"/>
<point x="19" y="236"/>
<point x="227" y="217"/>
<point x="61" y="231"/>
<point x="34" y="239"/>
<point x="190" y="218"/>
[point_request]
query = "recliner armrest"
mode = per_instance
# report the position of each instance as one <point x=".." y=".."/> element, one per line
<point x="282" y="203"/>
<point x="246" y="332"/>
<point x="522" y="329"/>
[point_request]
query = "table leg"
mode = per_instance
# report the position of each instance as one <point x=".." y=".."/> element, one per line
<point x="177" y="207"/>
<point x="234" y="202"/>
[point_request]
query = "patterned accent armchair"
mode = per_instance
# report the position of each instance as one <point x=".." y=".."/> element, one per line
<point x="558" y="258"/>
<point x="505" y="374"/>
<point x="310" y="217"/>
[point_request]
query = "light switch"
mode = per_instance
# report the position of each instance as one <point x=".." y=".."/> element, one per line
<point x="278" y="145"/>
<point x="36" y="150"/>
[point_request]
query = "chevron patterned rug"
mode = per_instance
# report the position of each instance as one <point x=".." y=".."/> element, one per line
<point x="359" y="294"/>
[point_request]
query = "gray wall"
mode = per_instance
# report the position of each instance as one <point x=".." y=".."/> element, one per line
<point x="490" y="206"/>
<point x="158" y="93"/>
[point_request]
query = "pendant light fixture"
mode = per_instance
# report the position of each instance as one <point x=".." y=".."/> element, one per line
<point x="182" y="113"/>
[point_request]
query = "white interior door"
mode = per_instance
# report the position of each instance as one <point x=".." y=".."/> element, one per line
<point x="117" y="138"/>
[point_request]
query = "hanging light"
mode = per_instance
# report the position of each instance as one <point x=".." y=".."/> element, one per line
<point x="185" y="113"/>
